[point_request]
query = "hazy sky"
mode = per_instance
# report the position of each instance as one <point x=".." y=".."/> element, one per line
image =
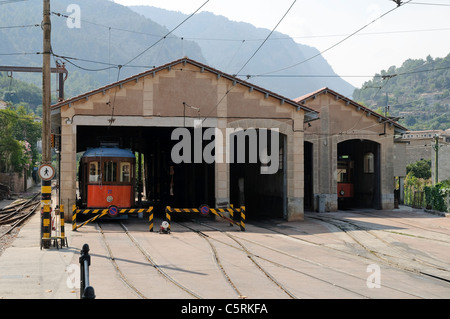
<point x="414" y="30"/>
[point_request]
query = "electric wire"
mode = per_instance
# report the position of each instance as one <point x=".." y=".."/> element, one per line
<point x="11" y="1"/>
<point x="20" y="26"/>
<point x="337" y="43"/>
<point x="267" y="39"/>
<point x="170" y="32"/>
<point x="268" y="36"/>
<point x="20" y="53"/>
<point x="273" y="38"/>
<point x="431" y="4"/>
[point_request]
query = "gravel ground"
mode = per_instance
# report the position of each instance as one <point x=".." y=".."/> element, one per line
<point x="7" y="240"/>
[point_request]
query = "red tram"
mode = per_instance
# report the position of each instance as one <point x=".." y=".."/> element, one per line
<point x="106" y="178"/>
<point x="345" y="178"/>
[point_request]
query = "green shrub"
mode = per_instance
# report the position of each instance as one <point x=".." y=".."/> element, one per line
<point x="437" y="197"/>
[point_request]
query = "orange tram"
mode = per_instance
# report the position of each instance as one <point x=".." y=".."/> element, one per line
<point x="106" y="178"/>
<point x="345" y="178"/>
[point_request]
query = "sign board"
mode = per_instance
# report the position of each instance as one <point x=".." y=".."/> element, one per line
<point x="46" y="172"/>
<point x="113" y="211"/>
<point x="204" y="209"/>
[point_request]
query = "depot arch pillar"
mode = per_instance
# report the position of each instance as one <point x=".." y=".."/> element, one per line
<point x="68" y="175"/>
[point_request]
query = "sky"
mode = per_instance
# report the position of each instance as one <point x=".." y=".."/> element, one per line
<point x="414" y="30"/>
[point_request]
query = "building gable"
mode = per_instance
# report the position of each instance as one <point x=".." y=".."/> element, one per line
<point x="183" y="87"/>
<point x="342" y="112"/>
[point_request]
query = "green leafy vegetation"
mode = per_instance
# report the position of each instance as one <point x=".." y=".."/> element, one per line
<point x="418" y="91"/>
<point x="20" y="93"/>
<point x="420" y="169"/>
<point x="437" y="197"/>
<point x="19" y="133"/>
<point x="419" y="191"/>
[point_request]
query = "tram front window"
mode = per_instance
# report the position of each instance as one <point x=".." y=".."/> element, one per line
<point x="93" y="172"/>
<point x="125" y="172"/>
<point x="110" y="172"/>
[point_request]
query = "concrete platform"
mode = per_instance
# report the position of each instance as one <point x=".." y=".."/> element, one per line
<point x="29" y="272"/>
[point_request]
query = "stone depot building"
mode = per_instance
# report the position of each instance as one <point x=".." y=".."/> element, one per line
<point x="323" y="138"/>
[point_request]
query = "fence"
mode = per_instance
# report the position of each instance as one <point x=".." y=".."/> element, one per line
<point x="423" y="195"/>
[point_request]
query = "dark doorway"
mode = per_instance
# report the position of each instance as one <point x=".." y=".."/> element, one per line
<point x="164" y="183"/>
<point x="263" y="194"/>
<point x="309" y="176"/>
<point x="358" y="174"/>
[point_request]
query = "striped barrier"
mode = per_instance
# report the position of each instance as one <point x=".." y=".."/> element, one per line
<point x="205" y="210"/>
<point x="62" y="238"/>
<point x="112" y="211"/>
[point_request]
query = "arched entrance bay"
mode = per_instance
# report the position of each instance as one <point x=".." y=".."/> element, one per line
<point x="358" y="174"/>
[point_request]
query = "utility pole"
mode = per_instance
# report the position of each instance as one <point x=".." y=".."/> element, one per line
<point x="45" y="168"/>
<point x="46" y="84"/>
<point x="436" y="148"/>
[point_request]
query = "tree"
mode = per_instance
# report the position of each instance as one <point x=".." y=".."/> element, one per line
<point x="420" y="169"/>
<point x="19" y="133"/>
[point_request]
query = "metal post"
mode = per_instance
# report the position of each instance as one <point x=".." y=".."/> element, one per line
<point x="86" y="291"/>
<point x="231" y="213"/>
<point x="168" y="218"/>
<point x="436" y="159"/>
<point x="150" y="220"/>
<point x="63" y="231"/>
<point x="242" y="218"/>
<point x="74" y="218"/>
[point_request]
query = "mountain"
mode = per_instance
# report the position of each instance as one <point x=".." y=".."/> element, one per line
<point x="111" y="34"/>
<point x="227" y="45"/>
<point x="418" y="91"/>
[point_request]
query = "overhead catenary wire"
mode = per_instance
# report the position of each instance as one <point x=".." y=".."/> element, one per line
<point x="276" y="75"/>
<point x="11" y="1"/>
<point x="167" y="34"/>
<point x="431" y="4"/>
<point x="231" y="88"/>
<point x="238" y="39"/>
<point x="242" y="41"/>
<point x="111" y="120"/>
<point x="337" y="43"/>
<point x="20" y="26"/>
<point x="268" y="36"/>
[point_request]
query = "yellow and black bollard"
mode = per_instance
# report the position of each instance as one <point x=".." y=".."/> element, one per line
<point x="74" y="218"/>
<point x="168" y="219"/>
<point x="150" y="221"/>
<point x="63" y="231"/>
<point x="46" y="199"/>
<point x="242" y="225"/>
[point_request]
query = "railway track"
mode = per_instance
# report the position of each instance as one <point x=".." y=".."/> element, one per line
<point x="197" y="261"/>
<point x="254" y="256"/>
<point x="217" y="260"/>
<point x="275" y="230"/>
<point x="243" y="249"/>
<point x="431" y="233"/>
<point x="129" y="282"/>
<point x="386" y="252"/>
<point x="14" y="215"/>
